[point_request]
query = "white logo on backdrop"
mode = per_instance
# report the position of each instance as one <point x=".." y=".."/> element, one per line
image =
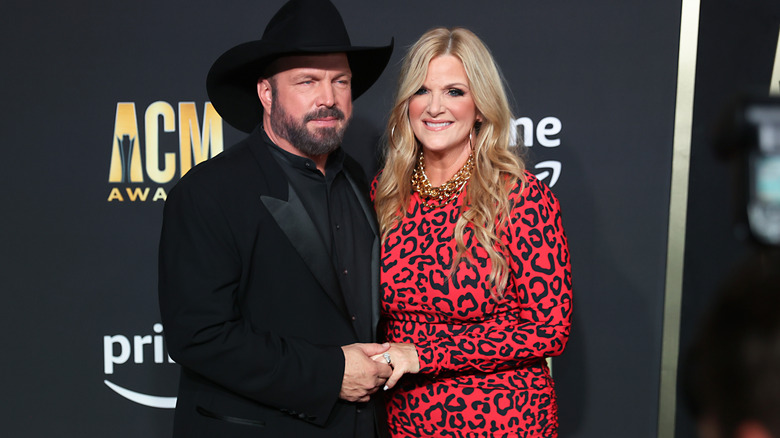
<point x="117" y="350"/>
<point x="545" y="133"/>
<point x="152" y="401"/>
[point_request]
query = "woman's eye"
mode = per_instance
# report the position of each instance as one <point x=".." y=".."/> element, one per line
<point x="420" y="92"/>
<point x="455" y="92"/>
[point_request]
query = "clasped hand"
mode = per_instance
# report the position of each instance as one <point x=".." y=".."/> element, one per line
<point x="403" y="359"/>
<point x="363" y="376"/>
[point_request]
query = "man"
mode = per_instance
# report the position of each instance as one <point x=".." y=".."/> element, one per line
<point x="268" y="255"/>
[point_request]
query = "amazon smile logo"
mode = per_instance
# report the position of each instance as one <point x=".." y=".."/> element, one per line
<point x="147" y="352"/>
<point x="551" y="169"/>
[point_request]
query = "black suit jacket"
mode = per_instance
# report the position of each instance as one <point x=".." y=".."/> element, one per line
<point x="251" y="304"/>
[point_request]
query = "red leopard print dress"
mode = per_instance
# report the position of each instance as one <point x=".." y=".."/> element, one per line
<point x="482" y="363"/>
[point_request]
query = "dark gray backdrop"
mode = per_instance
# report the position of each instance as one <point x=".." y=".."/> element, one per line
<point x="77" y="268"/>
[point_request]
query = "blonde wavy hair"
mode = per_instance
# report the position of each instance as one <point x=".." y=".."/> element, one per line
<point x="497" y="166"/>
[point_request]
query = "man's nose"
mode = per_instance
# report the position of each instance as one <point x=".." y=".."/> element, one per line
<point x="325" y="95"/>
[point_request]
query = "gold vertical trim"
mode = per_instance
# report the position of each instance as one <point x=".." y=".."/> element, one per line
<point x="774" y="84"/>
<point x="678" y="204"/>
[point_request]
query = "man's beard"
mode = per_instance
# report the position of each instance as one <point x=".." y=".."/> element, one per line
<point x="320" y="142"/>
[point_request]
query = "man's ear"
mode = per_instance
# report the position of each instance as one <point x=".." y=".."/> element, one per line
<point x="265" y="94"/>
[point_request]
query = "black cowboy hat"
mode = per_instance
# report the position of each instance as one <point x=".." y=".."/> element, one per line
<point x="300" y="27"/>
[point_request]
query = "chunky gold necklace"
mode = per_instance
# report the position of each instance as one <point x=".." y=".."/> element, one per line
<point x="436" y="197"/>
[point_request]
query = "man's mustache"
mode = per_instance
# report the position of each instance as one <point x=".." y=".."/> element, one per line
<point x="324" y="112"/>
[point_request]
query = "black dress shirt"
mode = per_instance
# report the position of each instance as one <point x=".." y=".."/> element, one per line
<point x="338" y="216"/>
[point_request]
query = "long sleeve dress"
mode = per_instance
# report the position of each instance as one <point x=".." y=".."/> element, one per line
<point x="482" y="361"/>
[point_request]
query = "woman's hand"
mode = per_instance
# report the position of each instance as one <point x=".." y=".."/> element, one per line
<point x="403" y="358"/>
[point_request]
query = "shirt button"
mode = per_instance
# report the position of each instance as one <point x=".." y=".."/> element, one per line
<point x="359" y="410"/>
<point x="346" y="272"/>
<point x="338" y="227"/>
<point x="354" y="317"/>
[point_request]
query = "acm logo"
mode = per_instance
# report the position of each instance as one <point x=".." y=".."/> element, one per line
<point x="138" y="170"/>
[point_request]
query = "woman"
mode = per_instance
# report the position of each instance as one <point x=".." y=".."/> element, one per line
<point x="475" y="265"/>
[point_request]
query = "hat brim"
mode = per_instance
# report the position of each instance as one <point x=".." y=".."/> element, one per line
<point x="232" y="80"/>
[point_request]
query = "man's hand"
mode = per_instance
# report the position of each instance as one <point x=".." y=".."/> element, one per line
<point x="363" y="376"/>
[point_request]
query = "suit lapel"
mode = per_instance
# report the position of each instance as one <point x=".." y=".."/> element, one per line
<point x="294" y="220"/>
<point x="368" y="210"/>
<point x="365" y="205"/>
